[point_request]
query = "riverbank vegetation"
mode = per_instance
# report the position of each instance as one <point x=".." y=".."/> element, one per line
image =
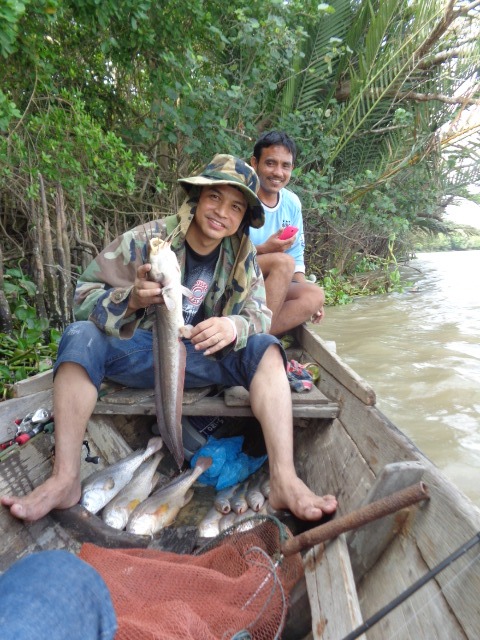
<point x="456" y="238"/>
<point x="104" y="105"/>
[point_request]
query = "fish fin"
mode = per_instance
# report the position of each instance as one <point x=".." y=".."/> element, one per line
<point x="185" y="291"/>
<point x="153" y="445"/>
<point x="186" y="331"/>
<point x="204" y="463"/>
<point x="188" y="496"/>
<point x="155" y="481"/>
<point x="169" y="239"/>
<point x="168" y="299"/>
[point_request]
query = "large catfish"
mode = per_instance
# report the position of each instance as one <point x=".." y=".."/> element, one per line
<point x="169" y="354"/>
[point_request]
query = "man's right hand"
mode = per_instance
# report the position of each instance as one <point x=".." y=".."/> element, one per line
<point x="274" y="245"/>
<point x="144" y="292"/>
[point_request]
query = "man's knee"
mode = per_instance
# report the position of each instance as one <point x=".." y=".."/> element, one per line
<point x="277" y="262"/>
<point x="273" y="357"/>
<point x="309" y="296"/>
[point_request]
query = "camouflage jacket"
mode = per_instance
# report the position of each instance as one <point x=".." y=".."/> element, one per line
<point x="237" y="291"/>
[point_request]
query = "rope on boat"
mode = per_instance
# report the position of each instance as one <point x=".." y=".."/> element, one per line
<point x="414" y="587"/>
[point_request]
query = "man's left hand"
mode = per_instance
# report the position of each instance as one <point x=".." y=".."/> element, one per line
<point x="213" y="334"/>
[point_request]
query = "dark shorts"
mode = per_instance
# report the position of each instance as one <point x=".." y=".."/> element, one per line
<point x="130" y="362"/>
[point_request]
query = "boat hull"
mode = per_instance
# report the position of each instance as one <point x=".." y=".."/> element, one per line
<point x="343" y="445"/>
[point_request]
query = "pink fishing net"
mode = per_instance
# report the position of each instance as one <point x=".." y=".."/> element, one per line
<point x="240" y="583"/>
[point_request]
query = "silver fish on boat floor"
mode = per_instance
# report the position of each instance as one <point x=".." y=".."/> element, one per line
<point x="223" y="497"/>
<point x="209" y="526"/>
<point x="162" y="507"/>
<point x="118" y="510"/>
<point x="254" y="497"/>
<point x="227" y="521"/>
<point x="103" y="485"/>
<point x="265" y="486"/>
<point x="238" y="501"/>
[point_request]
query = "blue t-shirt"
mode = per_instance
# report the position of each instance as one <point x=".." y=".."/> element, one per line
<point x="287" y="211"/>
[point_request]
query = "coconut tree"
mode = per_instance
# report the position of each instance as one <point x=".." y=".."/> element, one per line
<point x="389" y="83"/>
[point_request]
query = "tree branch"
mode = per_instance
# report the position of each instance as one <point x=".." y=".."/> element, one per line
<point x="426" y="97"/>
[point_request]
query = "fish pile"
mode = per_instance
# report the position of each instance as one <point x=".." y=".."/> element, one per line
<point x="236" y="504"/>
<point x="103" y="485"/>
<point x="162" y="507"/>
<point x="124" y="491"/>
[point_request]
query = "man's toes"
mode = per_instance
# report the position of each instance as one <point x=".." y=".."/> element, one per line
<point x="18" y="510"/>
<point x="313" y="513"/>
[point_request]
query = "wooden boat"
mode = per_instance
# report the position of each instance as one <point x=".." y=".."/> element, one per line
<point x="343" y="445"/>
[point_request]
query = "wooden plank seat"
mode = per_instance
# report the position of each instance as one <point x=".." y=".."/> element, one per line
<point x="232" y="402"/>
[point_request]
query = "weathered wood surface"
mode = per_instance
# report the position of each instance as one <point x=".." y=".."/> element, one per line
<point x="29" y="466"/>
<point x="114" y="394"/>
<point x="352" y="452"/>
<point x="368" y="543"/>
<point x="22" y="471"/>
<point x="333" y="595"/>
<point x="426" y="614"/>
<point x="108" y="441"/>
<point x="213" y="406"/>
<point x="327" y="459"/>
<point x="329" y="361"/>
<point x="40" y="382"/>
<point x="239" y="397"/>
<point x="344" y="457"/>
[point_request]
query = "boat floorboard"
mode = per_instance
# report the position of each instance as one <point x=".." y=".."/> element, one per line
<point x="233" y="402"/>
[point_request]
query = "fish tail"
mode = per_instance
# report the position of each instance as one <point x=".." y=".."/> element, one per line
<point x="153" y="446"/>
<point x="204" y="463"/>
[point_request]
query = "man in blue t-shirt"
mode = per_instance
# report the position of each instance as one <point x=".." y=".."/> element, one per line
<point x="290" y="297"/>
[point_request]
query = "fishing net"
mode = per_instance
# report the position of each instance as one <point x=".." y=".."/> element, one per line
<point x="237" y="583"/>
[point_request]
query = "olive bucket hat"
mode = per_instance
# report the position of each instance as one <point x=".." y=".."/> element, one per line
<point x="225" y="169"/>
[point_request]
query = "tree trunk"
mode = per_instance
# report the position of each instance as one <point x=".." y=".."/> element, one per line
<point x="5" y="315"/>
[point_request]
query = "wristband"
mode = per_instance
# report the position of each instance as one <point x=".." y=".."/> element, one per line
<point x="234" y="326"/>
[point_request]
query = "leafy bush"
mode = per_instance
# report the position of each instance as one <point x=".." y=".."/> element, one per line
<point x="31" y="346"/>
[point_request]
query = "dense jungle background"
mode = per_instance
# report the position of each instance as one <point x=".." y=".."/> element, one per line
<point x="104" y="104"/>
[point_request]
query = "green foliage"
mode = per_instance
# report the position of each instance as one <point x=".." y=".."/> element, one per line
<point x="32" y="346"/>
<point x="8" y="111"/>
<point x="10" y="13"/>
<point x="371" y="276"/>
<point x="63" y="143"/>
<point x="119" y="99"/>
<point x="458" y="239"/>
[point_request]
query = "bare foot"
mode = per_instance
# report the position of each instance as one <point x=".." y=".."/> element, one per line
<point x="52" y="494"/>
<point x="295" y="496"/>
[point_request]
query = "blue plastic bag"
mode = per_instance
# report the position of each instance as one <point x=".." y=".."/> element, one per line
<point x="229" y="464"/>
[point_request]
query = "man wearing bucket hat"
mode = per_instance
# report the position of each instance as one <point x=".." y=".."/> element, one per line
<point x="112" y="336"/>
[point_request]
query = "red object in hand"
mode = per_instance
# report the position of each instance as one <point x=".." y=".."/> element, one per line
<point x="288" y="232"/>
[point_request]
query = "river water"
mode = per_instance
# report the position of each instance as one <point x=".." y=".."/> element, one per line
<point x="420" y="351"/>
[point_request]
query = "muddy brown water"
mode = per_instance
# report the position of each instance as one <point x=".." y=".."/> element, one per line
<point x="420" y="351"/>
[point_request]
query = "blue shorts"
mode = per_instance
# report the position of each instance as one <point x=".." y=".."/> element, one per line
<point x="63" y="597"/>
<point x="130" y="362"/>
